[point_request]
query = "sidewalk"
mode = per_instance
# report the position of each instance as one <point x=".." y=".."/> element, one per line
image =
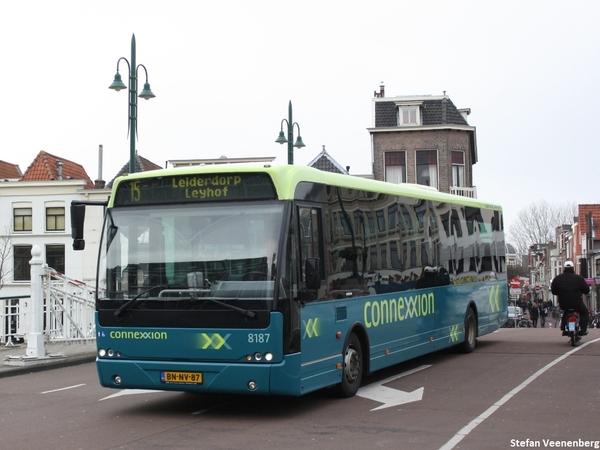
<point x="14" y="359"/>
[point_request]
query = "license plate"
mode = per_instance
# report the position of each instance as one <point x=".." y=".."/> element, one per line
<point x="571" y="326"/>
<point x="169" y="377"/>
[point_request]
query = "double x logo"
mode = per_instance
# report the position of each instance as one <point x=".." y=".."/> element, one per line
<point x="311" y="329"/>
<point x="454" y="333"/>
<point x="495" y="298"/>
<point x="214" y="341"/>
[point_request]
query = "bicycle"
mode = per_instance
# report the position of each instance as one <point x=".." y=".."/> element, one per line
<point x="520" y="322"/>
<point x="524" y="323"/>
<point x="557" y="316"/>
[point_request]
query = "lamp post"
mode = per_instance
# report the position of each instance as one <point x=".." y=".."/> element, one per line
<point x="290" y="136"/>
<point x="146" y="94"/>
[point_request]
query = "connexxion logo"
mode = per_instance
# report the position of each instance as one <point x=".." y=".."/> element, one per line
<point x="138" y="335"/>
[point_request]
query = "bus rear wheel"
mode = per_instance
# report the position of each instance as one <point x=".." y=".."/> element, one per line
<point x="470" y="342"/>
<point x="352" y="371"/>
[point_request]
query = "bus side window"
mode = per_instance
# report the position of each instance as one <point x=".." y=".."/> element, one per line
<point x="310" y="244"/>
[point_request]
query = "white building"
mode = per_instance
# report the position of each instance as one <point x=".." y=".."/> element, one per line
<point x="35" y="210"/>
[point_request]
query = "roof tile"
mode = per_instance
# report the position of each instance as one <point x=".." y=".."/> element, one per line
<point x="45" y="167"/>
<point x="8" y="170"/>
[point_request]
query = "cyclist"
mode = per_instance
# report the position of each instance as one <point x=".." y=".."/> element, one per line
<point x="568" y="287"/>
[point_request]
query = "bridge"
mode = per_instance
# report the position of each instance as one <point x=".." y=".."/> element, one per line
<point x="59" y="308"/>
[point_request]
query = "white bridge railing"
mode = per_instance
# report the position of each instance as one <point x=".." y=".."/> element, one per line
<point x="58" y="309"/>
<point x="68" y="308"/>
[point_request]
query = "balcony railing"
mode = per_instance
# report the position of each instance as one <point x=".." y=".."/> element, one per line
<point x="470" y="192"/>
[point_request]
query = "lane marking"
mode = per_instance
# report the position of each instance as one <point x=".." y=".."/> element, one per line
<point x="63" y="389"/>
<point x="130" y="392"/>
<point x="492" y="409"/>
<point x="390" y="396"/>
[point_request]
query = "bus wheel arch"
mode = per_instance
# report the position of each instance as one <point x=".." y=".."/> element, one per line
<point x="470" y="330"/>
<point x="354" y="362"/>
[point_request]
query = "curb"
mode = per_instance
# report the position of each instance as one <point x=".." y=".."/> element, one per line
<point x="9" y="371"/>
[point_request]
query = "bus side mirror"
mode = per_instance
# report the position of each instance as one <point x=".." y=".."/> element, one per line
<point x="312" y="270"/>
<point x="77" y="219"/>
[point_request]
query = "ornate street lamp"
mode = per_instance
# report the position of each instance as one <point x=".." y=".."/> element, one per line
<point x="146" y="94"/>
<point x="290" y="135"/>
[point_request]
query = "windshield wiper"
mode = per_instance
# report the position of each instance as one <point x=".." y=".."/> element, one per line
<point x="242" y="311"/>
<point x="125" y="306"/>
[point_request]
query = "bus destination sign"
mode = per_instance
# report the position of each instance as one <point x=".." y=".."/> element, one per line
<point x="195" y="188"/>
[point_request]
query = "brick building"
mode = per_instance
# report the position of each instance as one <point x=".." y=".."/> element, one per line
<point x="424" y="140"/>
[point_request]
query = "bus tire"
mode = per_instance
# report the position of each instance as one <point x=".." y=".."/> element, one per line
<point x="470" y="342"/>
<point x="352" y="370"/>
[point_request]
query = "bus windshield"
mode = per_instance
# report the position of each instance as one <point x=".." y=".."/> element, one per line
<point x="214" y="257"/>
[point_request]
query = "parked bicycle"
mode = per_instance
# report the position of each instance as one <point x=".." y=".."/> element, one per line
<point x="520" y="322"/>
<point x="557" y="316"/>
<point x="594" y="319"/>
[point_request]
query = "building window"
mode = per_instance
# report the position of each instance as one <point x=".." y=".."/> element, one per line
<point x="392" y="212"/>
<point x="395" y="256"/>
<point x="427" y="168"/>
<point x="22" y="219"/>
<point x="22" y="256"/>
<point x="458" y="168"/>
<point x="408" y="115"/>
<point x="395" y="167"/>
<point x="370" y="221"/>
<point x="380" y="220"/>
<point x="55" y="219"/>
<point x="55" y="257"/>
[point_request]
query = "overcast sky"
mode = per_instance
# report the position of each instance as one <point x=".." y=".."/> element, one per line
<point x="223" y="73"/>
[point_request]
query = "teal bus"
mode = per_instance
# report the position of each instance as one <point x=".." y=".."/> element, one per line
<point x="283" y="280"/>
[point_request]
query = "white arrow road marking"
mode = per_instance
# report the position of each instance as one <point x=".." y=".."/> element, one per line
<point x="389" y="396"/>
<point x="130" y="392"/>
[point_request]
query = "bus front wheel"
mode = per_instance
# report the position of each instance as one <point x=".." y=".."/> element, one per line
<point x="352" y="371"/>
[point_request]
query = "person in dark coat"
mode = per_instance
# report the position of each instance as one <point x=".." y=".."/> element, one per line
<point x="568" y="287"/>
<point x="543" y="314"/>
<point x="534" y="314"/>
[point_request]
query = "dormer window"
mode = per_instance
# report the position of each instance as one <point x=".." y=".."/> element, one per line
<point x="409" y="114"/>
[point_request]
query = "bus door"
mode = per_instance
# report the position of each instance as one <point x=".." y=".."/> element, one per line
<point x="320" y="349"/>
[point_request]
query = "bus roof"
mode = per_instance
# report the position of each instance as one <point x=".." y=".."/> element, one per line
<point x="287" y="177"/>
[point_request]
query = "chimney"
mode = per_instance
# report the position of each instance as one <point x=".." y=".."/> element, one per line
<point x="381" y="92"/>
<point x="59" y="168"/>
<point x="99" y="183"/>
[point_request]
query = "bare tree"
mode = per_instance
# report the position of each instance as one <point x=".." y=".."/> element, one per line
<point x="5" y="254"/>
<point x="536" y="224"/>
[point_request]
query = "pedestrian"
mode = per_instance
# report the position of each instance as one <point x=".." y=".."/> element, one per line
<point x="543" y="314"/>
<point x="533" y="314"/>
